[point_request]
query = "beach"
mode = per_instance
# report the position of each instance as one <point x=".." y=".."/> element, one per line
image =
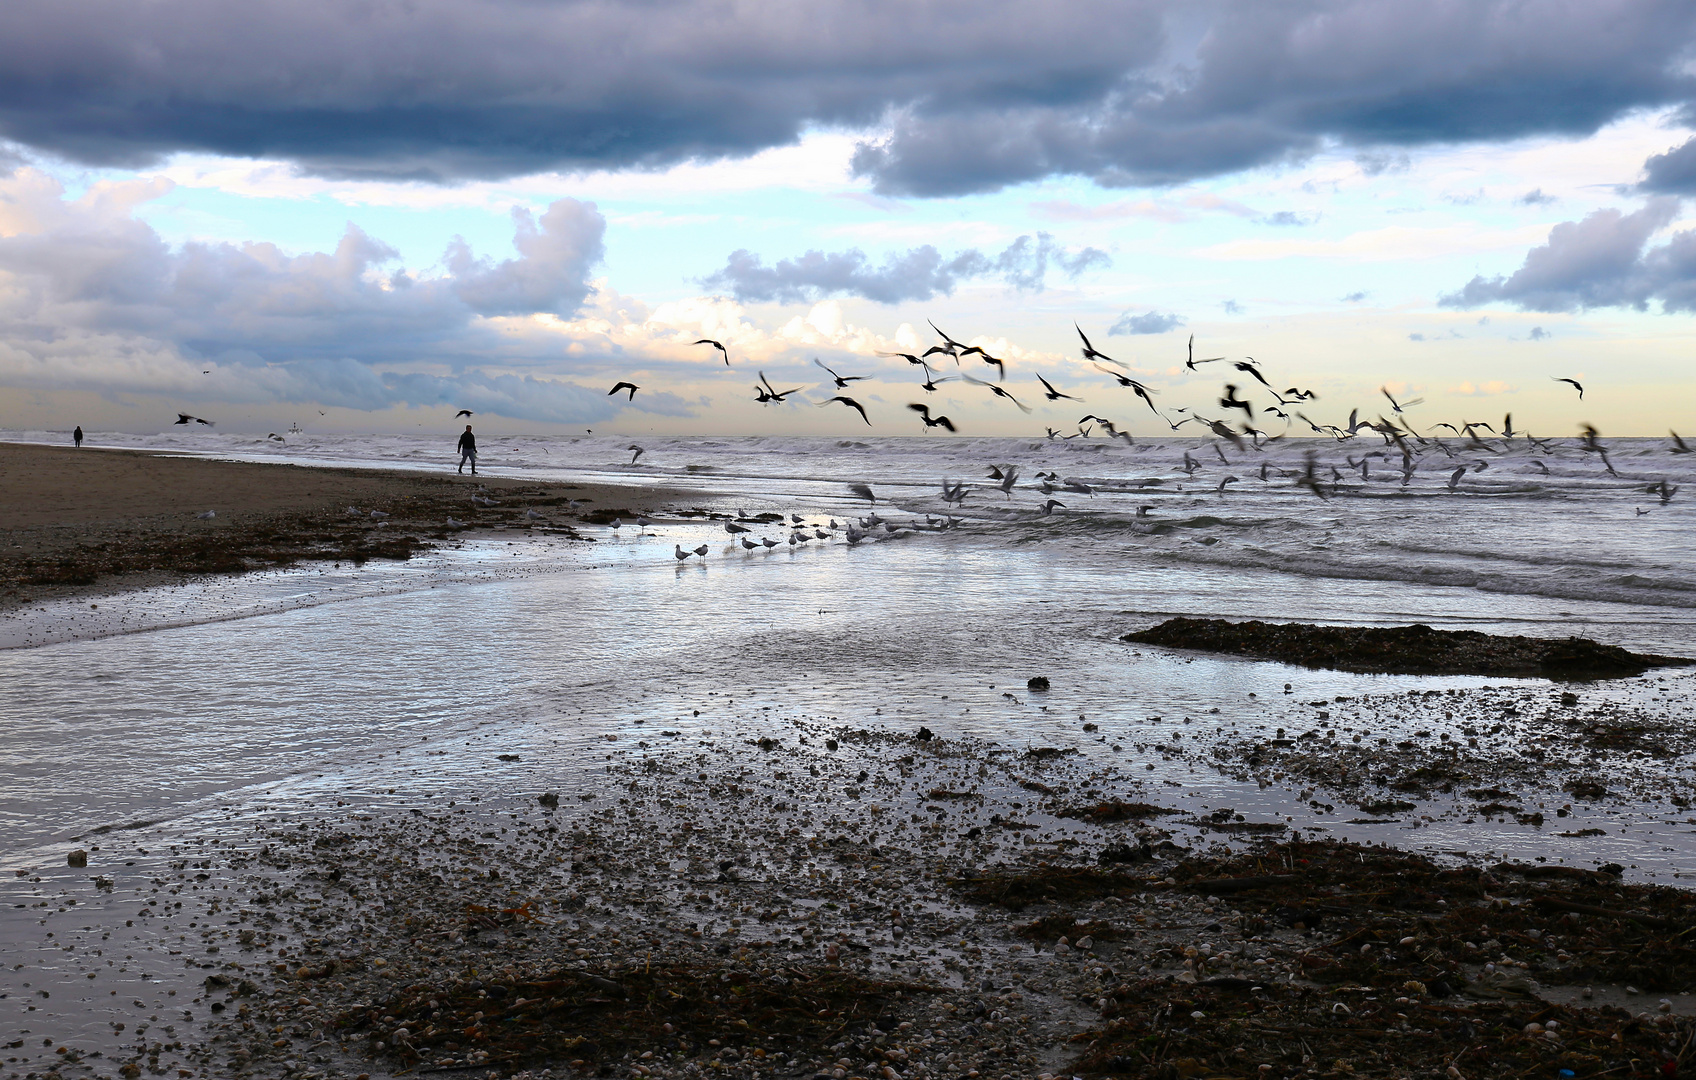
<point x="542" y="798"/>
<point x="103" y="521"/>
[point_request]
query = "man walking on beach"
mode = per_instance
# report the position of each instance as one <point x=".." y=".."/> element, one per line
<point x="468" y="450"/>
<point x="76" y="436"/>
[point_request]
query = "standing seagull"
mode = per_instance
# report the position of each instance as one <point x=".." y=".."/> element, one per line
<point x="616" y="387"/>
<point x="717" y="345"/>
<point x="851" y="403"/>
<point x="1576" y="385"/>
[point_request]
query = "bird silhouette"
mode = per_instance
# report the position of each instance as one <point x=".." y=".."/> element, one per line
<point x="1137" y="388"/>
<point x="1090" y="352"/>
<point x="639" y="451"/>
<point x="1576" y="385"/>
<point x="773" y="395"/>
<point x="616" y="387"/>
<point x="851" y="403"/>
<point x="456" y="416"/>
<point x="930" y="421"/>
<point x="1252" y="367"/>
<point x="998" y="392"/>
<point x="1398" y="406"/>
<point x="1052" y="394"/>
<point x="717" y="345"/>
<point x="1192" y="361"/>
<point x="185" y="418"/>
<point x="842" y="381"/>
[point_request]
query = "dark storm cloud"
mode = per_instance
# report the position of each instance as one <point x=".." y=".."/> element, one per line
<point x="90" y="297"/>
<point x="974" y="94"/>
<point x="917" y="274"/>
<point x="1273" y="82"/>
<point x="1602" y="261"/>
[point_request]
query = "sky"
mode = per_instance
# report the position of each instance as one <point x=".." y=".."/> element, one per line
<point x="367" y="216"/>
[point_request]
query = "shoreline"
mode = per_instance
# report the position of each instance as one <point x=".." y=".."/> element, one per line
<point x="87" y="523"/>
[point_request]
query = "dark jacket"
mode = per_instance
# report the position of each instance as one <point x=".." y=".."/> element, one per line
<point x="468" y="443"/>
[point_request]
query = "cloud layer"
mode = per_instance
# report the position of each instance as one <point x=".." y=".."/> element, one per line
<point x="92" y="298"/>
<point x="920" y="273"/>
<point x="972" y="94"/>
<point x="1602" y="261"/>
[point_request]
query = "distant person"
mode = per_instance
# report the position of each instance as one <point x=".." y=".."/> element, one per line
<point x="76" y="436"/>
<point x="468" y="450"/>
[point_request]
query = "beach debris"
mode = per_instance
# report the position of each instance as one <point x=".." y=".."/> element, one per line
<point x="549" y="799"/>
<point x="1037" y="682"/>
<point x="78" y="858"/>
<point x="1416" y="649"/>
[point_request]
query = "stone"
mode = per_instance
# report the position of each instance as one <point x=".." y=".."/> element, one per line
<point x="79" y="858"/>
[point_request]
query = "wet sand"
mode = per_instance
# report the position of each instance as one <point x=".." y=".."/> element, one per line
<point x="101" y="521"/>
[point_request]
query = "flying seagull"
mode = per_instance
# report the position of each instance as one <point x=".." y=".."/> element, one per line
<point x="998" y="392"/>
<point x="842" y="381"/>
<point x="639" y="451"/>
<point x="1136" y="387"/>
<point x="717" y="345"/>
<point x="930" y="421"/>
<point x="1052" y="394"/>
<point x="1192" y="361"/>
<point x="771" y="394"/>
<point x="1398" y="406"/>
<point x="1090" y="352"/>
<point x="456" y="416"/>
<point x="851" y="403"/>
<point x="864" y="491"/>
<point x="616" y="387"/>
<point x="1576" y="385"/>
<point x="185" y="418"/>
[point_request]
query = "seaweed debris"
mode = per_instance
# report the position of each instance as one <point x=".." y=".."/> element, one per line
<point x="1406" y="650"/>
<point x="591" y="1016"/>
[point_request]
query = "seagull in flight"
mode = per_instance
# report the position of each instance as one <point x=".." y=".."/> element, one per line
<point x="717" y="345"/>
<point x="842" y="381"/>
<point x="998" y="392"/>
<point x="771" y="393"/>
<point x="185" y="418"/>
<point x="639" y="451"/>
<point x="930" y="421"/>
<point x="632" y="387"/>
<point x="1090" y="352"/>
<point x="1136" y="387"/>
<point x="1576" y="385"/>
<point x="1192" y="361"/>
<point x="456" y="416"/>
<point x="999" y="365"/>
<point x="1052" y="394"/>
<point x="851" y="403"/>
<point x="1678" y="444"/>
<point x="1398" y="406"/>
<point x="1252" y="367"/>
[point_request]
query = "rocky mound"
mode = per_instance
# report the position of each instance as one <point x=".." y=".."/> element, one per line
<point x="1405" y="650"/>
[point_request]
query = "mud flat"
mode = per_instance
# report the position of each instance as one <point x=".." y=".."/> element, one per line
<point x="95" y="522"/>
<point x="801" y="898"/>
<point x="1405" y="650"/>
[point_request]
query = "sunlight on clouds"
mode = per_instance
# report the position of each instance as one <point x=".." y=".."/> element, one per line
<point x="1395" y="242"/>
<point x="818" y="162"/>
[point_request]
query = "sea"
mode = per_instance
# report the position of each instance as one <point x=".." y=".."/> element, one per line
<point x="937" y="579"/>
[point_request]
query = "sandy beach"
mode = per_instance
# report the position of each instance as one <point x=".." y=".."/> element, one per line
<point x="97" y="521"/>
